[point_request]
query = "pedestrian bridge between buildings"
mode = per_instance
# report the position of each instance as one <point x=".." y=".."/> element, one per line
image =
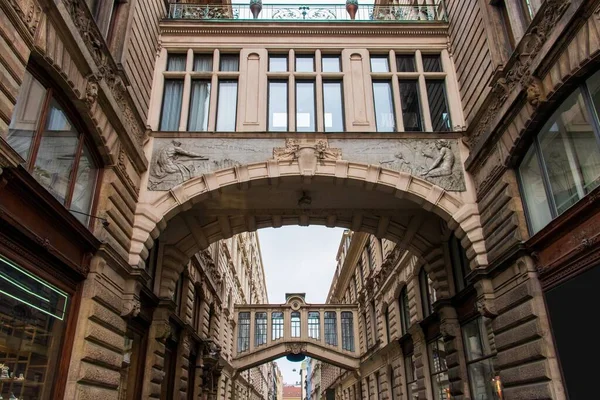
<point x="265" y="332"/>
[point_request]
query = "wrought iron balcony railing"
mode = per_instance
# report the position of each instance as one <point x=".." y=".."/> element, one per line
<point x="434" y="12"/>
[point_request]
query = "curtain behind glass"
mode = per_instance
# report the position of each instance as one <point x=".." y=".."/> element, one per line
<point x="229" y="63"/>
<point x="227" y="106"/>
<point x="203" y="63"/>
<point x="176" y="62"/>
<point x="199" y="105"/>
<point x="171" y="109"/>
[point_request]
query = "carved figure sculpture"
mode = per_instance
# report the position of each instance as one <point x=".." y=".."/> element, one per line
<point x="168" y="161"/>
<point x="442" y="165"/>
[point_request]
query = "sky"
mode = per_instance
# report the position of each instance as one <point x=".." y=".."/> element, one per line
<point x="298" y="260"/>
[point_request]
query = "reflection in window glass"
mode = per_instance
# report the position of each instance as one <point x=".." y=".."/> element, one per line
<point x="439" y="370"/>
<point x="347" y="331"/>
<point x="440" y="117"/>
<point x="305" y="106"/>
<point x="384" y="106"/>
<point x="85" y="184"/>
<point x="411" y="376"/>
<point x="260" y="328"/>
<point x="432" y="63"/>
<point x="227" y="105"/>
<point x="278" y="64"/>
<point x="460" y="263"/>
<point x="229" y="63"/>
<point x="428" y="296"/>
<point x="199" y="104"/>
<point x="295" y="324"/>
<point x="333" y="109"/>
<point x="330" y="63"/>
<point x="171" y="109"/>
<point x="330" y="328"/>
<point x="411" y="106"/>
<point x="278" y="106"/>
<point x="314" y="325"/>
<point x="479" y="360"/>
<point x="203" y="63"/>
<point x="26" y="115"/>
<point x="243" y="331"/>
<point x="380" y="64"/>
<point x="404" y="311"/>
<point x="534" y="191"/>
<point x="305" y="64"/>
<point x="277" y="325"/>
<point x="405" y="63"/>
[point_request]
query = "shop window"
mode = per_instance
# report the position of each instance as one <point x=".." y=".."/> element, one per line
<point x="330" y="328"/>
<point x="132" y="369"/>
<point x="243" y="332"/>
<point x="482" y="378"/>
<point x="404" y="311"/>
<point x="428" y="296"/>
<point x="260" y="328"/>
<point x="295" y="324"/>
<point x="563" y="164"/>
<point x="277" y="325"/>
<point x="55" y="149"/>
<point x="410" y="371"/>
<point x="347" y="331"/>
<point x="439" y="370"/>
<point x="314" y="325"/>
<point x="32" y="326"/>
<point x="460" y="263"/>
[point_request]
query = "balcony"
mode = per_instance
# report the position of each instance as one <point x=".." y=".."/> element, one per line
<point x="402" y="13"/>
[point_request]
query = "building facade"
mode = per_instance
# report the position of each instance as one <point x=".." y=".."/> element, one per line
<point x="457" y="139"/>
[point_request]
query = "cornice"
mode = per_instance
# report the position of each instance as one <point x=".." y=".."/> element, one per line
<point x="171" y="27"/>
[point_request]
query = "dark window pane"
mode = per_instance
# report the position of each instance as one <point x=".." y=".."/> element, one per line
<point x="405" y="63"/>
<point x="260" y="328"/>
<point x="26" y="115"/>
<point x="380" y="64"/>
<point x="411" y="106"/>
<point x="384" y="106"/>
<point x="347" y="331"/>
<point x="305" y="64"/>
<point x="243" y="331"/>
<point x="171" y="109"/>
<point x="227" y="106"/>
<point x="229" y="63"/>
<point x="305" y="106"/>
<point x="278" y="106"/>
<point x="176" y="62"/>
<point x="330" y="328"/>
<point x="481" y="378"/>
<point x="278" y="64"/>
<point x="203" y="63"/>
<point x="333" y="108"/>
<point x="440" y="117"/>
<point x="460" y="263"/>
<point x="199" y="105"/>
<point x="331" y="63"/>
<point x="432" y="63"/>
<point x="476" y="339"/>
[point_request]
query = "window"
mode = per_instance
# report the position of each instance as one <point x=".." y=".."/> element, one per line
<point x="563" y="164"/>
<point x="347" y="331"/>
<point x="197" y="317"/>
<point x="260" y="328"/>
<point x="330" y="328"/>
<point x="380" y="64"/>
<point x="479" y="360"/>
<point x="432" y="63"/>
<point x="330" y="63"/>
<point x="405" y="63"/>
<point x="295" y="324"/>
<point x="305" y="63"/>
<point x="373" y="321"/>
<point x="369" y="257"/>
<point x="377" y="387"/>
<point x="440" y="117"/>
<point x="278" y="105"/>
<point x="411" y="376"/>
<point x="384" y="106"/>
<point x="243" y="332"/>
<point x="333" y="107"/>
<point x="460" y="263"/>
<point x="388" y="324"/>
<point x="427" y="293"/>
<point x="199" y="105"/>
<point x="404" y="311"/>
<point x="278" y="64"/>
<point x="203" y="63"/>
<point x="366" y="329"/>
<point x="314" y="325"/>
<point x="411" y="105"/>
<point x="277" y="325"/>
<point x="132" y="369"/>
<point x="439" y="370"/>
<point x="173" y="93"/>
<point x="54" y="148"/>
<point x="229" y="63"/>
<point x="305" y="106"/>
<point x="227" y="105"/>
<point x="391" y="383"/>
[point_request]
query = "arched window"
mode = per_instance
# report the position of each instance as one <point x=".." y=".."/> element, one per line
<point x="295" y="324"/>
<point x="54" y="147"/>
<point x="314" y="325"/>
<point x="427" y="293"/>
<point x="404" y="311"/>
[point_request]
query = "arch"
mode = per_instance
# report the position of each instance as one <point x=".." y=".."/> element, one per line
<point x="152" y="218"/>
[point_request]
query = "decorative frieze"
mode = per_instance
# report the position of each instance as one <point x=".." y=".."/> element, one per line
<point x="29" y="12"/>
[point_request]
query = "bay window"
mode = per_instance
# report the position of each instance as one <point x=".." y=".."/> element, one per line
<point x="54" y="147"/>
<point x="243" y="332"/>
<point x="563" y="164"/>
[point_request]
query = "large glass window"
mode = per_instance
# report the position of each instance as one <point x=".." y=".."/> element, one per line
<point x="460" y="263"/>
<point x="404" y="311"/>
<point x="278" y="63"/>
<point x="260" y="328"/>
<point x="428" y="296"/>
<point x="305" y="63"/>
<point x="314" y="325"/>
<point x="438" y="107"/>
<point x="439" y="370"/>
<point x="384" y="106"/>
<point x="295" y="324"/>
<point x="380" y="64"/>
<point x="227" y="106"/>
<point x="53" y="147"/>
<point x="330" y="63"/>
<point x="330" y="328"/>
<point x="243" y="332"/>
<point x="563" y="165"/>
<point x="410" y="370"/>
<point x="305" y="106"/>
<point x="199" y="105"/>
<point x="277" y="325"/>
<point x="479" y="360"/>
<point x="411" y="105"/>
<point x="32" y="324"/>
<point x="347" y="331"/>
<point x="278" y="105"/>
<point x="333" y="109"/>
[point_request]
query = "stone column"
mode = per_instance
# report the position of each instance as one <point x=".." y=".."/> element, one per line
<point x="455" y="359"/>
<point x="154" y="372"/>
<point x="420" y="354"/>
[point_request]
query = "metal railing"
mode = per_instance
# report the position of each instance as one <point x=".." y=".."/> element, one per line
<point x="434" y="12"/>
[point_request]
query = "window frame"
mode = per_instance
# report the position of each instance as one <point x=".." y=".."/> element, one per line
<point x="427" y="294"/>
<point x="295" y="324"/>
<point x="243" y="340"/>
<point x="277" y="329"/>
<point x="432" y="371"/>
<point x="314" y="328"/>
<point x="261" y="335"/>
<point x="330" y="334"/>
<point x="84" y="142"/>
<point x="404" y="310"/>
<point x="348" y="342"/>
<point x="485" y="357"/>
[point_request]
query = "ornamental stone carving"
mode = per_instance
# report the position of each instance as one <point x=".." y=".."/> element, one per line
<point x="308" y="152"/>
<point x="131" y="308"/>
<point x="295" y="348"/>
<point x="29" y="12"/>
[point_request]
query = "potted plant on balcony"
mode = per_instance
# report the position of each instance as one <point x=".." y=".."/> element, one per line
<point x="255" y="7"/>
<point x="351" y="8"/>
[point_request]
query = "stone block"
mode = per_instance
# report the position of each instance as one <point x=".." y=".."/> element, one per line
<point x="513" y="296"/>
<point x="521" y="354"/>
<point x="104" y="336"/>
<point x="538" y="391"/>
<point x="107" y="317"/>
<point x="532" y="372"/>
<point x="98" y="375"/>
<point x="519" y="334"/>
<point x="101" y="355"/>
<point x="87" y="392"/>
<point x="514" y="316"/>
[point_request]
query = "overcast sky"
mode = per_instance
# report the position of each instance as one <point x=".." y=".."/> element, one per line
<point x="298" y="260"/>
